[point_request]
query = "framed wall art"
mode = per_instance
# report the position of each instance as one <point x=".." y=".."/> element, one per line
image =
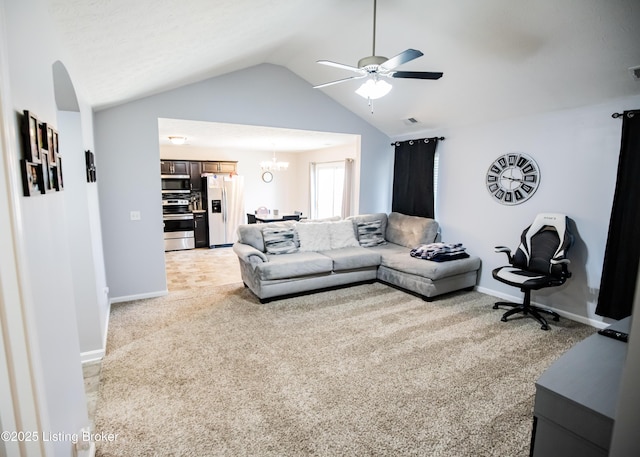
<point x="31" y="137"/>
<point x="53" y="151"/>
<point x="46" y="174"/>
<point x="32" y="181"/>
<point x="59" y="181"/>
<point x="42" y="164"/>
<point x="91" y="166"/>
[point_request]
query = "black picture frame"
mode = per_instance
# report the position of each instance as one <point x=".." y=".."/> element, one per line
<point x="32" y="180"/>
<point x="31" y="137"/>
<point x="48" y="142"/>
<point x="55" y="146"/>
<point x="46" y="175"/>
<point x="91" y="167"/>
<point x="59" y="180"/>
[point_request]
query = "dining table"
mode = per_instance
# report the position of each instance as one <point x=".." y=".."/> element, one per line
<point x="273" y="218"/>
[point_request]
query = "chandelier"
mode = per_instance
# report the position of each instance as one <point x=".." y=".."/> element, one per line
<point x="273" y="164"/>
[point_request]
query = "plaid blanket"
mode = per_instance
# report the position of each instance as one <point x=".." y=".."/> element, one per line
<point x="439" y="252"/>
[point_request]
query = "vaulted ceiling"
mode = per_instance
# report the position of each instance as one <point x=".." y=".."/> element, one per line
<point x="500" y="58"/>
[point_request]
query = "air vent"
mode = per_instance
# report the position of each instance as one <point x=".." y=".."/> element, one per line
<point x="635" y="72"/>
<point x="411" y="121"/>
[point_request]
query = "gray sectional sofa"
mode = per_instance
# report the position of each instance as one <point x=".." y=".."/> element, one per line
<point x="287" y="258"/>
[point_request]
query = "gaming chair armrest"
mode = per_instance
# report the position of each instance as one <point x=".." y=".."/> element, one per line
<point x="564" y="262"/>
<point x="504" y="249"/>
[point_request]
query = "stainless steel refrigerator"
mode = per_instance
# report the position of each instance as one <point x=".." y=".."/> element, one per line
<point x="225" y="207"/>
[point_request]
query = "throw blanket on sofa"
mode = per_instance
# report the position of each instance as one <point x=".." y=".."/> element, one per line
<point x="439" y="252"/>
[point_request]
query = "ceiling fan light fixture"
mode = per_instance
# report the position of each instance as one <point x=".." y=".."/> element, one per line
<point x="373" y="89"/>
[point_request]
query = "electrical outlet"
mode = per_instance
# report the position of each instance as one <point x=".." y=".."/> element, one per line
<point x="134" y="215"/>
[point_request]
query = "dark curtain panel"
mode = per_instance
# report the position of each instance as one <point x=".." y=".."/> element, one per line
<point x="413" y="177"/>
<point x="619" y="272"/>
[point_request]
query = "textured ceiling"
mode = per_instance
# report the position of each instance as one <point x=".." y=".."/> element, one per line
<point x="500" y="58"/>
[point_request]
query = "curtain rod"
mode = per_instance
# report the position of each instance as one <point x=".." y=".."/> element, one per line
<point x="629" y="114"/>
<point x="426" y="140"/>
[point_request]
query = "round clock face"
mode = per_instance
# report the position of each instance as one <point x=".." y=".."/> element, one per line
<point x="267" y="176"/>
<point x="513" y="178"/>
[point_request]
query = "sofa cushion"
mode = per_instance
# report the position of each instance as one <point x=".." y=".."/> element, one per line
<point x="324" y="219"/>
<point x="279" y="240"/>
<point x="370" y="234"/>
<point x="410" y="231"/>
<point x="428" y="269"/>
<point x="342" y="235"/>
<point x="251" y="234"/>
<point x="314" y="236"/>
<point x="382" y="217"/>
<point x="352" y="258"/>
<point x="293" y="265"/>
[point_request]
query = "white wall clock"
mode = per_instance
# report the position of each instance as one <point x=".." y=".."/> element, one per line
<point x="513" y="178"/>
<point x="267" y="176"/>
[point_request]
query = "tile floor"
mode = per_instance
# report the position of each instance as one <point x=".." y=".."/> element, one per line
<point x="185" y="270"/>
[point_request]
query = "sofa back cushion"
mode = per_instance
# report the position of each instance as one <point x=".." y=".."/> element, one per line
<point x="410" y="231"/>
<point x="314" y="236"/>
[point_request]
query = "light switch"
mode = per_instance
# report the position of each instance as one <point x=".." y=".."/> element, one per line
<point x="134" y="215"/>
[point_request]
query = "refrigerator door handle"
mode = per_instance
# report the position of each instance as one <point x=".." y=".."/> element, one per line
<point x="224" y="205"/>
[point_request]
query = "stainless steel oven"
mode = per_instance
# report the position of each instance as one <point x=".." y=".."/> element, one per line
<point x="179" y="224"/>
<point x="178" y="232"/>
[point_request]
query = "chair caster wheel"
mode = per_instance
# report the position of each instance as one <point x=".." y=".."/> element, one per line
<point x="556" y="318"/>
<point x="504" y="319"/>
<point x="545" y="327"/>
<point x="496" y="306"/>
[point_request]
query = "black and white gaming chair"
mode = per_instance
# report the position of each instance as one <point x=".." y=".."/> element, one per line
<point x="540" y="261"/>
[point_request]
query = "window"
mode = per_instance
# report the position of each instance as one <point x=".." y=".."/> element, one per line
<point x="327" y="182"/>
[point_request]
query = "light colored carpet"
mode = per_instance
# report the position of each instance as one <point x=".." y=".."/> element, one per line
<point x="362" y="371"/>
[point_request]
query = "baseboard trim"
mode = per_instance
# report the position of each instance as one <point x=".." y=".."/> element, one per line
<point x="91" y="356"/>
<point x="126" y="298"/>
<point x="572" y="316"/>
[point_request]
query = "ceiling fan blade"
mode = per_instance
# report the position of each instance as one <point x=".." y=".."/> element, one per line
<point x="340" y="65"/>
<point x="403" y="57"/>
<point x="339" y="81"/>
<point x="416" y="74"/>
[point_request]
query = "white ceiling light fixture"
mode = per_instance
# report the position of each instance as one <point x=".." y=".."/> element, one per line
<point x="374" y="89"/>
<point x="178" y="140"/>
<point x="273" y="164"/>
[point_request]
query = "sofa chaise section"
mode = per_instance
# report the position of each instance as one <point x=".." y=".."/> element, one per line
<point x="423" y="277"/>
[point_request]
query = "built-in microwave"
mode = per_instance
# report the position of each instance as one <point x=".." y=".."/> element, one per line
<point x="176" y="183"/>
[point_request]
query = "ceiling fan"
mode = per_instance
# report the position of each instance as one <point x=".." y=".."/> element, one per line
<point x="374" y="67"/>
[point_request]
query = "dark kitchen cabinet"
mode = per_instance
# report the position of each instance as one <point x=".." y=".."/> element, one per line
<point x="174" y="167"/>
<point x="201" y="231"/>
<point x="195" y="170"/>
<point x="219" y="167"/>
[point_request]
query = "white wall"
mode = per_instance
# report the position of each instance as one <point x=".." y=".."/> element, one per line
<point x="44" y="225"/>
<point x="577" y="152"/>
<point x="127" y="163"/>
<point x="84" y="239"/>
